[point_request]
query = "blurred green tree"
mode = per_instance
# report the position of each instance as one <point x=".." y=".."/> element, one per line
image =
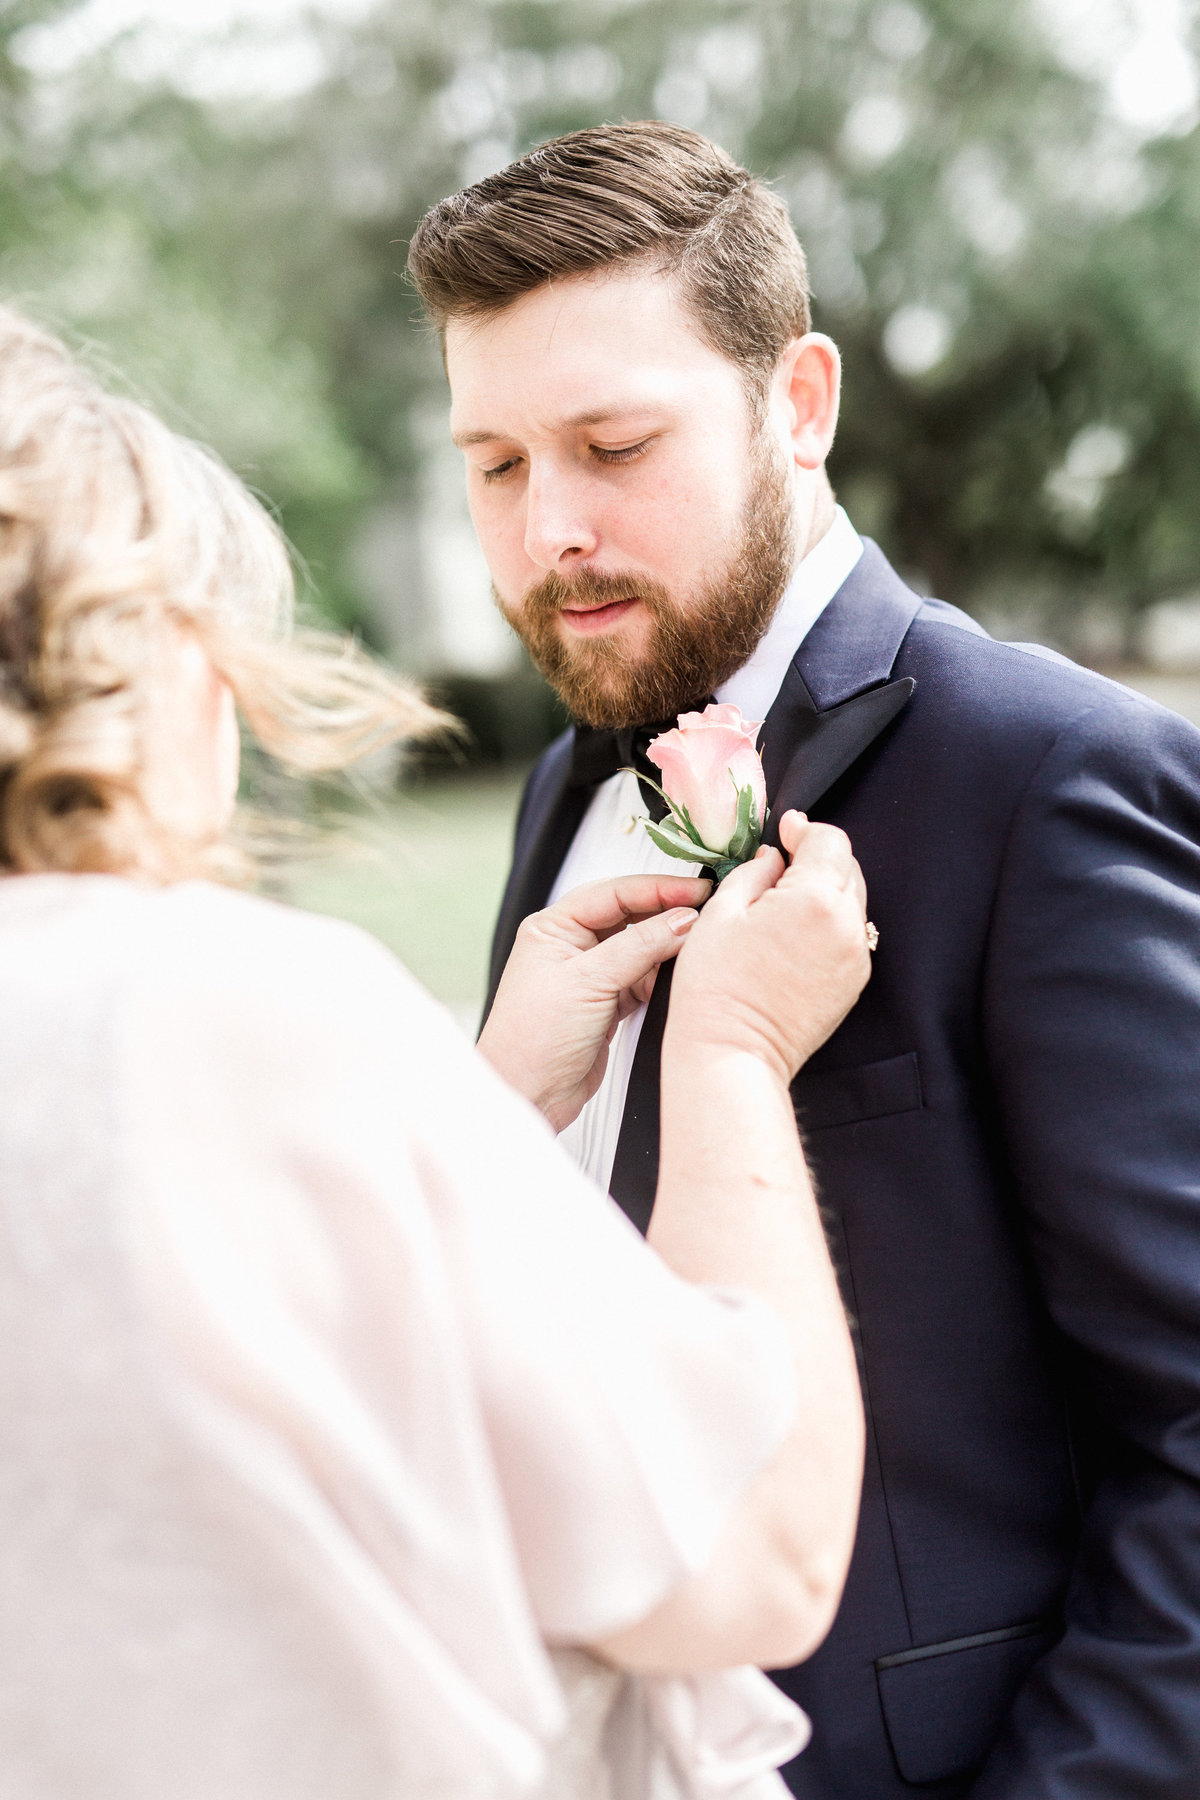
<point x="118" y="214"/>
<point x="1006" y="260"/>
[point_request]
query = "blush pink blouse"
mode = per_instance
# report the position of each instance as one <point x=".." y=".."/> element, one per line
<point x="336" y="1407"/>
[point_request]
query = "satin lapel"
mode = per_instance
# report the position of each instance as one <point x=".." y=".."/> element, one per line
<point x="837" y="696"/>
<point x="835" y="701"/>
<point x="556" y="812"/>
<point x="854" y="644"/>
<point x="825" y="744"/>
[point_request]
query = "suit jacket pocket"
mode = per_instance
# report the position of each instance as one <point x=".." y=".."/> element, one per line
<point x="944" y="1704"/>
<point x="826" y="1097"/>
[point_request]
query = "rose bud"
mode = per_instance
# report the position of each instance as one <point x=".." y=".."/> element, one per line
<point x="706" y="762"/>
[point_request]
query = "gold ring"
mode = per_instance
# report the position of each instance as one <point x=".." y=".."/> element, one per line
<point x="872" y="936"/>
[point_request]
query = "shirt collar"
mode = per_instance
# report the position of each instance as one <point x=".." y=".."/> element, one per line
<point x="816" y="580"/>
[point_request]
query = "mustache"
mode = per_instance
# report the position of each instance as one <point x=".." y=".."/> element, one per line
<point x="590" y="588"/>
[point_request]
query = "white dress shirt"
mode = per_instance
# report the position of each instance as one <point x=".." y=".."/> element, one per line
<point x="610" y="841"/>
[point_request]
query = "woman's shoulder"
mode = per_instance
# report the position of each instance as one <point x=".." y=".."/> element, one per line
<point x="311" y="1015"/>
<point x="197" y="914"/>
<point x="257" y="953"/>
<point x="196" y="948"/>
<point x="272" y="937"/>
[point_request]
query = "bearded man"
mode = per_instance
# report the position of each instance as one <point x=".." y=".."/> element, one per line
<point x="1005" y="1130"/>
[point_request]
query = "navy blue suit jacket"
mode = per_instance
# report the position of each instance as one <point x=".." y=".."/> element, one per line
<point x="1006" y="1138"/>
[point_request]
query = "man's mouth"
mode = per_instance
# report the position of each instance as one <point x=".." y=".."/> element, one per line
<point x="588" y="620"/>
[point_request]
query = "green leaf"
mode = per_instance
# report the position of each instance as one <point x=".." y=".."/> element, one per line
<point x="747" y="833"/>
<point x="684" y="816"/>
<point x="674" y="843"/>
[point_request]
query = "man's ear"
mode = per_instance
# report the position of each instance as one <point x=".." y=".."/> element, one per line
<point x="805" y="394"/>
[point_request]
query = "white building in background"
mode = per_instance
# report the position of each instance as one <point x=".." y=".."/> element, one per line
<point x="423" y="574"/>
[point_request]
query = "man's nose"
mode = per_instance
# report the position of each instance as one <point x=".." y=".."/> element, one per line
<point x="558" y="530"/>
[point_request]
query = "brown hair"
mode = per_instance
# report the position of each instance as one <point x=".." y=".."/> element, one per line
<point x="616" y="196"/>
<point x="114" y="530"/>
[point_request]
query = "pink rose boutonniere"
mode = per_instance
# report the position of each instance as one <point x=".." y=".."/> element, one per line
<point x="713" y="784"/>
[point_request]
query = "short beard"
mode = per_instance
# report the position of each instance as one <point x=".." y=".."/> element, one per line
<point x="695" y="646"/>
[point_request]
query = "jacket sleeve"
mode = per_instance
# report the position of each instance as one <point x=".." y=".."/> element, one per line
<point x="1092" y="1019"/>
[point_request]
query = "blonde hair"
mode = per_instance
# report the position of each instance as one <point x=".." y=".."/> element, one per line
<point x="113" y="529"/>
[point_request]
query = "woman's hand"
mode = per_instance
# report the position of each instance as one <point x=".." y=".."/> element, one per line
<point x="776" y="960"/>
<point x="780" y="954"/>
<point x="575" y="970"/>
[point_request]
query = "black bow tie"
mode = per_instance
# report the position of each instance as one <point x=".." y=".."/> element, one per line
<point x="595" y="755"/>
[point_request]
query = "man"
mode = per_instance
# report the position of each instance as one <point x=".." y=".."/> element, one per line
<point x="1006" y="1130"/>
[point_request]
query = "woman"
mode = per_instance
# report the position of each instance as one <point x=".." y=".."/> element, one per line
<point x="354" y="1446"/>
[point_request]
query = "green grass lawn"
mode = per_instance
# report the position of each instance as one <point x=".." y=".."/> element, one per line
<point x="424" y="874"/>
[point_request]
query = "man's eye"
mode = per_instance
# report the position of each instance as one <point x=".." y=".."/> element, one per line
<point x="629" y="454"/>
<point x="501" y="470"/>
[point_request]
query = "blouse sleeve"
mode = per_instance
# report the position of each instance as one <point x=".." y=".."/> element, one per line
<point x="391" y="1301"/>
<point x="626" y="1409"/>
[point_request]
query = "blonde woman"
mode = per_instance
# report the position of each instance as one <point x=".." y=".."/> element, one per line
<point x="350" y="1444"/>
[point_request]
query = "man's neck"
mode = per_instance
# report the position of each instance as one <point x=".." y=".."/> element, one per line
<point x="820" y="518"/>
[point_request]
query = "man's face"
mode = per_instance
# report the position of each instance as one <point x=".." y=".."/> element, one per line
<point x="638" y="527"/>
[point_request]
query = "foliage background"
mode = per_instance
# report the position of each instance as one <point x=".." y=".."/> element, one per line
<point x="1000" y="200"/>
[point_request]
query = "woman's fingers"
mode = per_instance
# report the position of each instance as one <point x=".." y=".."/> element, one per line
<point x="744" y="885"/>
<point x="822" y="850"/>
<point x="780" y="953"/>
<point x="624" y="962"/>
<point x="792" y="827"/>
<point x="639" y="994"/>
<point x="603" y="906"/>
<point x="575" y="969"/>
